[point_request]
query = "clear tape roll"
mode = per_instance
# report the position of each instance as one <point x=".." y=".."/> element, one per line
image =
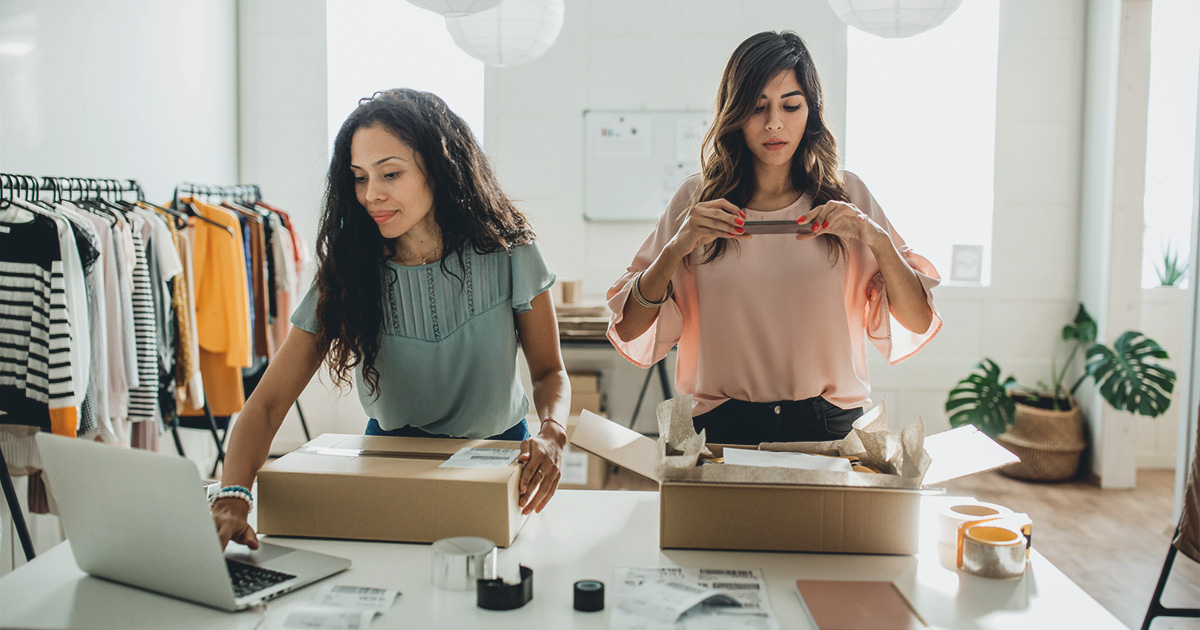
<point x="458" y="563"/>
<point x="993" y="552"/>
<point x="952" y="517"/>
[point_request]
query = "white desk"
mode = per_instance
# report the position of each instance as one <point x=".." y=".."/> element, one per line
<point x="581" y="534"/>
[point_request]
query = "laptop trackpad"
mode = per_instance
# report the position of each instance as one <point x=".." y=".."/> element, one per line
<point x="265" y="553"/>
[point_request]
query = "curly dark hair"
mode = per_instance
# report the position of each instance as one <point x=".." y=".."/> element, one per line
<point x="726" y="161"/>
<point x="469" y="207"/>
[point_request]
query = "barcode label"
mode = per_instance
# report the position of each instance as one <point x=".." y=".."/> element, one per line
<point x="356" y="590"/>
<point x="742" y="573"/>
<point x="734" y="586"/>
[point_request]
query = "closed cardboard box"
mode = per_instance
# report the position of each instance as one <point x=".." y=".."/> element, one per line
<point x="717" y="506"/>
<point x="388" y="488"/>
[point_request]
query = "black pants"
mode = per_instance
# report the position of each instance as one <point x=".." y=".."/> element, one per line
<point x="808" y="420"/>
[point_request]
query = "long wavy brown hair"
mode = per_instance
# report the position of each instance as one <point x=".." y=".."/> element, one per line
<point x="727" y="165"/>
<point x="469" y="207"/>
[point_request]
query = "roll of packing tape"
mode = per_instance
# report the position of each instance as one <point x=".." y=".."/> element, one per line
<point x="948" y="555"/>
<point x="993" y="552"/>
<point x="496" y="594"/>
<point x="458" y="563"/>
<point x="952" y="517"/>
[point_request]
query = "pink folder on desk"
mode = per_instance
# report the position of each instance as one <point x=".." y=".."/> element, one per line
<point x="857" y="605"/>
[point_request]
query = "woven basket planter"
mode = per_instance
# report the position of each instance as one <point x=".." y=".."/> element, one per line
<point x="1048" y="442"/>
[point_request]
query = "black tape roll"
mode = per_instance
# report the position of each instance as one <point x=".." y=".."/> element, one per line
<point x="496" y="594"/>
<point x="589" y="595"/>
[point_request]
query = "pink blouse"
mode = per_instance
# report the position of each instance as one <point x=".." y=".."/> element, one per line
<point x="771" y="319"/>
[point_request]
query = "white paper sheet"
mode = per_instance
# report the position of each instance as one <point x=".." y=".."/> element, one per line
<point x="766" y="459"/>
<point x="670" y="598"/>
<point x="323" y="618"/>
<point x="481" y="458"/>
<point x="355" y="597"/>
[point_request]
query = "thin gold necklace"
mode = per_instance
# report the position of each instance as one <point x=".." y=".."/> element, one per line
<point x="424" y="259"/>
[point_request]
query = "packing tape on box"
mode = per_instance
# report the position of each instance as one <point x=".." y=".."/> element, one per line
<point x="952" y="517"/>
<point x="459" y="562"/>
<point x="993" y="552"/>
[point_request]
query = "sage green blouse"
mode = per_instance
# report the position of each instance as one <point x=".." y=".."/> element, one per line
<point x="448" y="357"/>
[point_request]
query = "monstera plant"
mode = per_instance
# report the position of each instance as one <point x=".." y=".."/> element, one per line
<point x="1044" y="426"/>
<point x="1128" y="376"/>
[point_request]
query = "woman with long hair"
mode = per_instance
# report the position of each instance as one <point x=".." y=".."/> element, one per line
<point x="426" y="275"/>
<point x="772" y="329"/>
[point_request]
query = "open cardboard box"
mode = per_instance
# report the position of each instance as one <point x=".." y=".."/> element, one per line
<point x="388" y="488"/>
<point x="721" y="506"/>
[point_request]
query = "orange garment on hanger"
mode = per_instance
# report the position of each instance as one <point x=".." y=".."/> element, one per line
<point x="222" y="309"/>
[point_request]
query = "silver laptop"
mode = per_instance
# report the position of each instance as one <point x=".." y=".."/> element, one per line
<point x="141" y="519"/>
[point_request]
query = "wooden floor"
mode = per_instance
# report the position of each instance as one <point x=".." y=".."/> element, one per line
<point x="1111" y="542"/>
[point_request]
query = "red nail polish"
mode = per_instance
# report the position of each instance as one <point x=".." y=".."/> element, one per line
<point x="824" y="225"/>
<point x="740" y="230"/>
<point x="816" y="226"/>
<point x="739" y="221"/>
<point x="800" y="220"/>
<point x="743" y="213"/>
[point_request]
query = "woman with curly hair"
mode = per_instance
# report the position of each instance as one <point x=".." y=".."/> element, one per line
<point x="427" y="274"/>
<point x="772" y="331"/>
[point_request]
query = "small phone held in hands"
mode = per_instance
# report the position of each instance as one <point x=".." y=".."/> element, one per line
<point x="785" y="226"/>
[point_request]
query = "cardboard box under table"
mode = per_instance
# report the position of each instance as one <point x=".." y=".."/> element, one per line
<point x="721" y="506"/>
<point x="388" y="488"/>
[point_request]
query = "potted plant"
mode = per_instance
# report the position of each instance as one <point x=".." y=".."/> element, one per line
<point x="1173" y="270"/>
<point x="1044" y="426"/>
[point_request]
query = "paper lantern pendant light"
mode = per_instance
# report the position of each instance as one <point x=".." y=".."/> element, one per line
<point x="455" y="8"/>
<point x="510" y="34"/>
<point x="894" y="18"/>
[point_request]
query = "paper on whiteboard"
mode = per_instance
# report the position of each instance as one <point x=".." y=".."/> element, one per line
<point x="689" y="139"/>
<point x="623" y="136"/>
<point x="766" y="459"/>
<point x="671" y="598"/>
<point x="673" y="175"/>
<point x="467" y="457"/>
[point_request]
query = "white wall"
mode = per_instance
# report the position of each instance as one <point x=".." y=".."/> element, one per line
<point x="282" y="65"/>
<point x="125" y="89"/>
<point x="669" y="55"/>
<point x="1113" y="188"/>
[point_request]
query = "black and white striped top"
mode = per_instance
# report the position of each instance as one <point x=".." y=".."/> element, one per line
<point x="35" y="334"/>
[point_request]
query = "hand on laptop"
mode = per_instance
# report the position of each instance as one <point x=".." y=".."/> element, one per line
<point x="230" y="518"/>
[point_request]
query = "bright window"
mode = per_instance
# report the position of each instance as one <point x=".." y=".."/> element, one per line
<point x="376" y="45"/>
<point x="920" y="131"/>
<point x="1170" y="135"/>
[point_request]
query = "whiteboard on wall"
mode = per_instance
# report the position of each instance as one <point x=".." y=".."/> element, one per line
<point x="633" y="161"/>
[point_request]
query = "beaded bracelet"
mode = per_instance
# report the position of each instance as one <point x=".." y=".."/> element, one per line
<point x="233" y="492"/>
<point x="637" y="293"/>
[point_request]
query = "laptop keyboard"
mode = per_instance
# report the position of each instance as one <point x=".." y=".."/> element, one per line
<point x="248" y="578"/>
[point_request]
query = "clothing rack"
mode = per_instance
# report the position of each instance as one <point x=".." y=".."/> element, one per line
<point x="244" y="193"/>
<point x="248" y="194"/>
<point x="30" y="188"/>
